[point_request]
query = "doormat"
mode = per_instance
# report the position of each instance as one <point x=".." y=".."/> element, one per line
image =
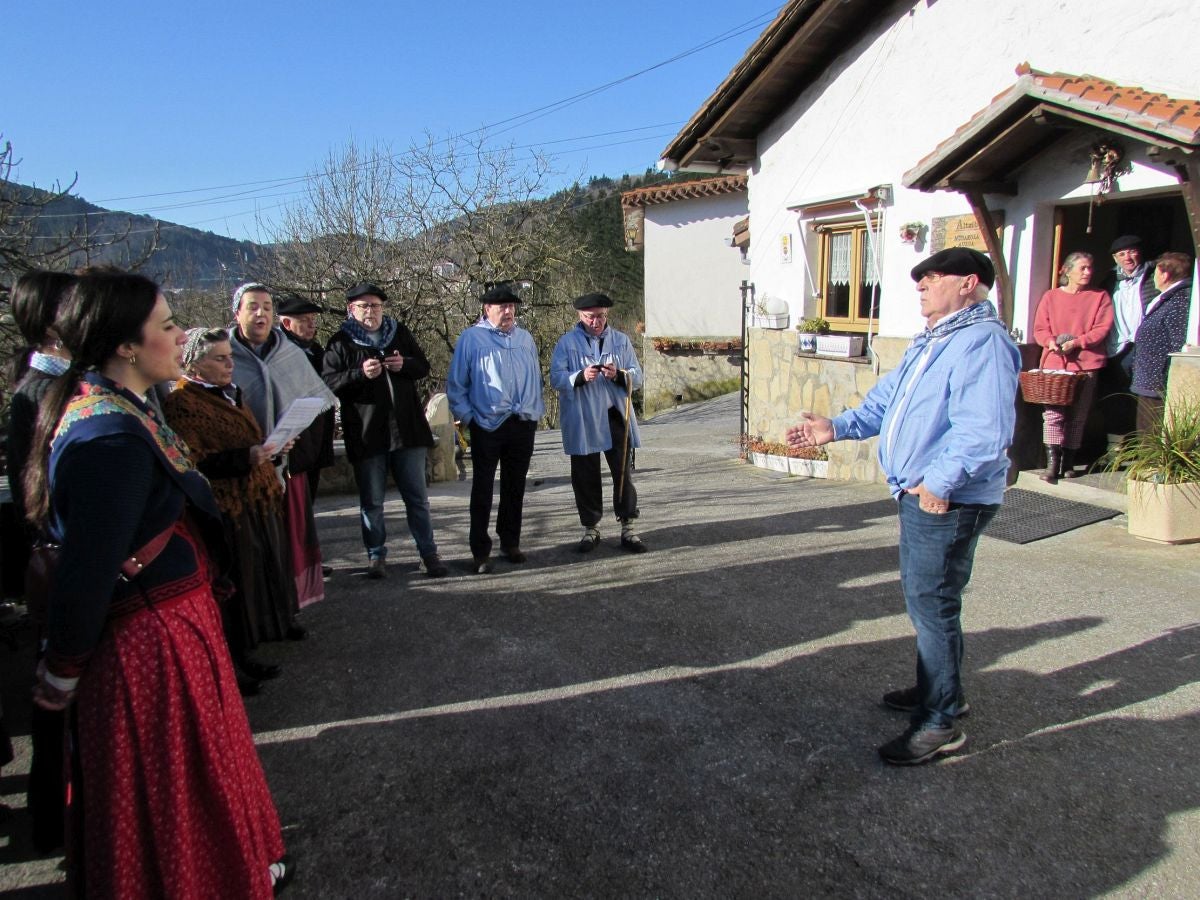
<point x="1029" y="516"/>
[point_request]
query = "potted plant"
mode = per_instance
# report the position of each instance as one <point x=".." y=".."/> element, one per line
<point x="910" y="232"/>
<point x="809" y="329"/>
<point x="1162" y="472"/>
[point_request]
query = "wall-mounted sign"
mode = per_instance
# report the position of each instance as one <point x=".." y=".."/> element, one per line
<point x="961" y="231"/>
<point x="785" y="248"/>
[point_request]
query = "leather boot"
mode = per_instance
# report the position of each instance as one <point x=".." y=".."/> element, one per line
<point x="1053" y="461"/>
<point x="1068" y="464"/>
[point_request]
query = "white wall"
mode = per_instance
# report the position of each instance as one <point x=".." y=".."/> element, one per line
<point x="692" y="276"/>
<point x="906" y="87"/>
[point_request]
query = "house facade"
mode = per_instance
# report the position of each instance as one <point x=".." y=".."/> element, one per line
<point x="876" y="133"/>
<point x="693" y="272"/>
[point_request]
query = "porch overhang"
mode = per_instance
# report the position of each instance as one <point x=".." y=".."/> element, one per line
<point x="985" y="155"/>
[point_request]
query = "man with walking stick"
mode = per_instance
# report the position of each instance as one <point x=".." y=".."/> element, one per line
<point x="595" y="372"/>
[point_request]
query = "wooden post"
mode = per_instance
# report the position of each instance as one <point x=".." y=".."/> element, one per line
<point x="987" y="225"/>
<point x="1189" y="186"/>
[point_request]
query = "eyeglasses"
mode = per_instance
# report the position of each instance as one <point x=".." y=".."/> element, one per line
<point x="934" y="277"/>
<point x="594" y="317"/>
<point x="367" y="307"/>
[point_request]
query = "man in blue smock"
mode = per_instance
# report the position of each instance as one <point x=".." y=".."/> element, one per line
<point x="945" y="418"/>
<point x="595" y="372"/>
<point x="495" y="389"/>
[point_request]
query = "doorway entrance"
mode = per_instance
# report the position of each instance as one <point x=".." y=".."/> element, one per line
<point x="1160" y="220"/>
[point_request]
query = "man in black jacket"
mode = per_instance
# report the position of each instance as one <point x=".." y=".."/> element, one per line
<point x="373" y="364"/>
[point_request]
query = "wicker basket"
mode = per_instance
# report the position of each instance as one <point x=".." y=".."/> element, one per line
<point x="1050" y="388"/>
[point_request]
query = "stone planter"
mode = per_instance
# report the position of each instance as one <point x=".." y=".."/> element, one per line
<point x="846" y="345"/>
<point x="1167" y="513"/>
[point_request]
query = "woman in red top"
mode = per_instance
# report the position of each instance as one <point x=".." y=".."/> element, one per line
<point x="1072" y="325"/>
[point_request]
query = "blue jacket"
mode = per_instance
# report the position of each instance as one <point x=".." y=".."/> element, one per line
<point x="945" y="415"/>
<point x="583" y="406"/>
<point x="494" y="375"/>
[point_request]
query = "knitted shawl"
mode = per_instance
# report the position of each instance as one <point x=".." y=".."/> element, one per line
<point x="211" y="424"/>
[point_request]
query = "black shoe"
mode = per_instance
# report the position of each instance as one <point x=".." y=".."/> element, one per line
<point x="282" y="873"/>
<point x="296" y="633"/>
<point x="247" y="686"/>
<point x="590" y="540"/>
<point x="377" y="568"/>
<point x="434" y="567"/>
<point x="633" y="543"/>
<point x="906" y="701"/>
<point x="482" y="565"/>
<point x="514" y="554"/>
<point x="921" y="744"/>
<point x="260" y="670"/>
<point x="326" y="571"/>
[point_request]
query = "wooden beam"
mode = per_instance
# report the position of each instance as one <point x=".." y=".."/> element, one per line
<point x="987" y="225"/>
<point x="1008" y="188"/>
<point x="1190" y="188"/>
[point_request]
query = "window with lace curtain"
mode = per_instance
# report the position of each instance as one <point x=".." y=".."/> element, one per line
<point x="849" y="289"/>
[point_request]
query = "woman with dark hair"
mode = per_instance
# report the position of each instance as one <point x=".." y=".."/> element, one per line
<point x="168" y="795"/>
<point x="1072" y="325"/>
<point x="34" y="302"/>
<point x="207" y="411"/>
<point x="1162" y="332"/>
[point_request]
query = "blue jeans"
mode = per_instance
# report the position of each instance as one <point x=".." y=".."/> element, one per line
<point x="408" y="469"/>
<point x="936" y="556"/>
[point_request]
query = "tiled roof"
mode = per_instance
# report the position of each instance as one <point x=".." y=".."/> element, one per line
<point x="1134" y="106"/>
<point x="1153" y="117"/>
<point x="683" y="190"/>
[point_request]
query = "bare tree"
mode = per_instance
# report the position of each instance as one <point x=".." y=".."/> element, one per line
<point x="433" y="226"/>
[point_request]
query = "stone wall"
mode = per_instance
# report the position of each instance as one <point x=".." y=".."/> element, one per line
<point x="783" y="383"/>
<point x="691" y="374"/>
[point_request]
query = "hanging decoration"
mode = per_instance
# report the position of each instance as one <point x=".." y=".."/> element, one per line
<point x="1107" y="165"/>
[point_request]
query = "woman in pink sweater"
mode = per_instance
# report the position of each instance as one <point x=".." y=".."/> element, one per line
<point x="1072" y="325"/>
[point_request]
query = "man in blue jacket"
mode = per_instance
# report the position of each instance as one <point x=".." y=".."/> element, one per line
<point x="495" y="389"/>
<point x="945" y="418"/>
<point x="595" y="372"/>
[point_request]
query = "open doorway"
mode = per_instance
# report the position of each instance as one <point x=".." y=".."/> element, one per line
<point x="1160" y="220"/>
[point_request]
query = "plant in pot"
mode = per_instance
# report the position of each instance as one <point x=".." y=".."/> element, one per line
<point x="809" y="329"/>
<point x="1162" y="472"/>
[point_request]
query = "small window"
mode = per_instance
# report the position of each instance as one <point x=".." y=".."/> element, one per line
<point x="849" y="288"/>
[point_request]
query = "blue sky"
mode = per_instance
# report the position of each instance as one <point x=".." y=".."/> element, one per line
<point x="144" y="99"/>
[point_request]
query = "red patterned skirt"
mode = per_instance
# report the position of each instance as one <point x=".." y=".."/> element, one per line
<point x="302" y="535"/>
<point x="174" y="800"/>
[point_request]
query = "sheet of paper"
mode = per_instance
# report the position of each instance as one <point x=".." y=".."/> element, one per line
<point x="294" y="420"/>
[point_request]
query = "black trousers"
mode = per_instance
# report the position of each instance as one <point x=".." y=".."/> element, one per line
<point x="510" y="447"/>
<point x="585" y="478"/>
<point x="1117" y="404"/>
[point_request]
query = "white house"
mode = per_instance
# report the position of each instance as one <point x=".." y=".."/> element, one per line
<point x="693" y="274"/>
<point x="874" y="133"/>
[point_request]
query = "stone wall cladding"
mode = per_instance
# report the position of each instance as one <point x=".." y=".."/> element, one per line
<point x="686" y="373"/>
<point x="782" y="384"/>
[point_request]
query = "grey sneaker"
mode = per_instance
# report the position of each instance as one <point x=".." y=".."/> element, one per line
<point x="906" y="701"/>
<point x="377" y="568"/>
<point x="921" y="744"/>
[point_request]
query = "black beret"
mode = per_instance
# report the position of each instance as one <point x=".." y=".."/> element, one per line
<point x="293" y="305"/>
<point x="957" y="261"/>
<point x="1124" y="242"/>
<point x="366" y="289"/>
<point x="592" y="301"/>
<point x="501" y="293"/>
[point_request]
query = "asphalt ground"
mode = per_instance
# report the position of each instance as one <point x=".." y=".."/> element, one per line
<point x="702" y="720"/>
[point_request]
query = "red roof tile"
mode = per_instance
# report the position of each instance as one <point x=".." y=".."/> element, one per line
<point x="683" y="190"/>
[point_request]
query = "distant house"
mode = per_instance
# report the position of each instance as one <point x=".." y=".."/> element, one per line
<point x="693" y="272"/>
<point x="874" y="133"/>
